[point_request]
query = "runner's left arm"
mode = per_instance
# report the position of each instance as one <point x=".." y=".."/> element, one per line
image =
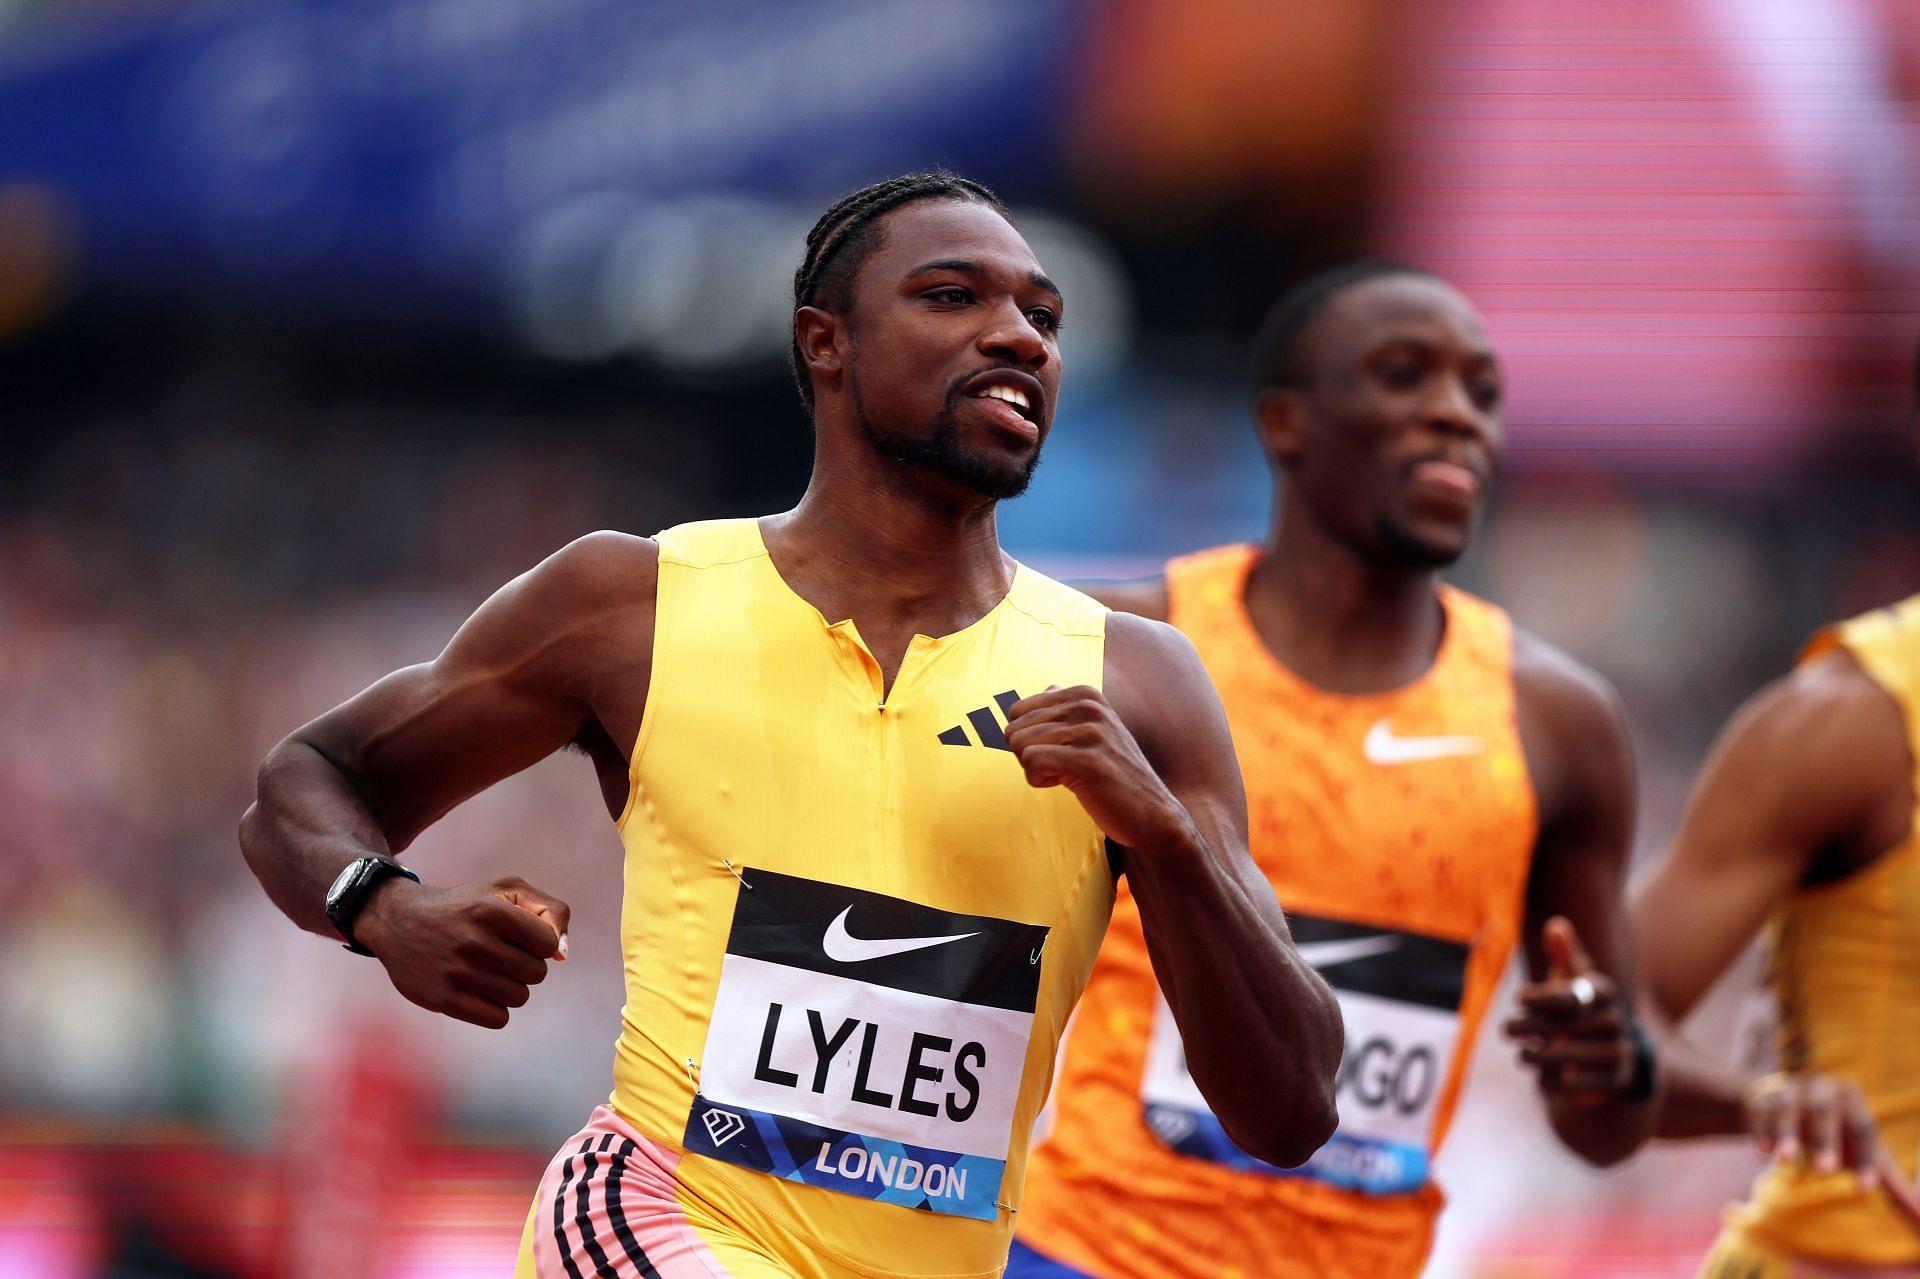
<point x="1152" y="761"/>
<point x="1575" y="1020"/>
<point x="1816" y="762"/>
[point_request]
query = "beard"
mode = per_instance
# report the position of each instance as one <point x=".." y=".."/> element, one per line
<point x="940" y="451"/>
<point x="1404" y="547"/>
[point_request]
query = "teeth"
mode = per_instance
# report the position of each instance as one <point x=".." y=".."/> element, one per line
<point x="1011" y="394"/>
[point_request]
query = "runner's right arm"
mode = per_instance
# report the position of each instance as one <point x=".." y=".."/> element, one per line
<point x="557" y="656"/>
<point x="1814" y="764"/>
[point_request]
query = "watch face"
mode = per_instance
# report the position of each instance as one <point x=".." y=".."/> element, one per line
<point x="342" y="881"/>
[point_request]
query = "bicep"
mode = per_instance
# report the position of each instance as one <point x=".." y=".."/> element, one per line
<point x="1586" y="826"/>
<point x="427" y="737"/>
<point x="508" y="690"/>
<point x="1162" y="692"/>
<point x="1785" y="779"/>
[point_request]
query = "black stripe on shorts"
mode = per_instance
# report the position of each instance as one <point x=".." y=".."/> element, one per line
<point x="617" y="1214"/>
<point x="583" y="1204"/>
<point x="560" y="1211"/>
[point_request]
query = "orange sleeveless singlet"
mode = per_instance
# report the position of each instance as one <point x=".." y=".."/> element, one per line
<point x="1398" y="830"/>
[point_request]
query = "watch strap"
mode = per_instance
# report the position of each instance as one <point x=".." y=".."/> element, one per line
<point x="371" y="871"/>
<point x="1640" y="1085"/>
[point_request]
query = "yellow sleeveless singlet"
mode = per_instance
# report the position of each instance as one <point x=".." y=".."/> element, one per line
<point x="852" y="931"/>
<point x="1845" y="969"/>
<point x="1397" y="829"/>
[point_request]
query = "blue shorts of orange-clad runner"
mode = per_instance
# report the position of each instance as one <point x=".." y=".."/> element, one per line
<point x="1024" y="1263"/>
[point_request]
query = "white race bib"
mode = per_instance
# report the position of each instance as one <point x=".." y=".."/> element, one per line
<point x="1400" y="997"/>
<point x="868" y="1045"/>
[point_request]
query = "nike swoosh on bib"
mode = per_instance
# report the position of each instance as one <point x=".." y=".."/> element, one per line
<point x="844" y="948"/>
<point x="1325" y="954"/>
<point x="1382" y="747"/>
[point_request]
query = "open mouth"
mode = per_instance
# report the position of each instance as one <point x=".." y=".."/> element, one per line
<point x="1013" y="395"/>
<point x="1447" y="477"/>
<point x="1012" y="400"/>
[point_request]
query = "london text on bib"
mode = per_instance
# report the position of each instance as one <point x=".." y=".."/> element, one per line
<point x="867" y="1044"/>
<point x="1400" y="997"/>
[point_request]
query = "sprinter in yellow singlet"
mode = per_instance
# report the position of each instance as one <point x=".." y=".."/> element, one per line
<point x="874" y="780"/>
<point x="1805" y="828"/>
<point x="1803" y="824"/>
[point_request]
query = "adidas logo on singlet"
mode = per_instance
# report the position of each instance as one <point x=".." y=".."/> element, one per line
<point x="985" y="725"/>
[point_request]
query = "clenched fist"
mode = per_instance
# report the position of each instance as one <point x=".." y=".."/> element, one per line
<point x="471" y="951"/>
<point x="1572" y="1028"/>
<point x="1072" y="737"/>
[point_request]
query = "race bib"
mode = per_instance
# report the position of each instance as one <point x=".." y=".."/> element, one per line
<point x="1400" y="997"/>
<point x="867" y="1044"/>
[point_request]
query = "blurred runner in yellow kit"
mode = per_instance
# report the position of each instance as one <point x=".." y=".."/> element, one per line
<point x="1802" y="826"/>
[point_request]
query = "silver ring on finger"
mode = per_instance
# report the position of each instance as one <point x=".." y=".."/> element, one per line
<point x="1583" y="990"/>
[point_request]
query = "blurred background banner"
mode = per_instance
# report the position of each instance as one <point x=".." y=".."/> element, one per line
<point x="318" y="321"/>
<point x="395" y="152"/>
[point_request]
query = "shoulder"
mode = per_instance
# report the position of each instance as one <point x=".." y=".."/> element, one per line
<point x="1828" y="709"/>
<point x="1154" y="677"/>
<point x="1160" y="691"/>
<point x="1573" y="732"/>
<point x="601" y="570"/>
<point x="1819" y="757"/>
<point x="601" y="581"/>
<point x="582" y="610"/>
<point x="1556" y="692"/>
<point x="1141" y="647"/>
<point x="1141" y="597"/>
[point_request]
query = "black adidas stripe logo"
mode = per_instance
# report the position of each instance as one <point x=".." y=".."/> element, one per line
<point x="988" y="728"/>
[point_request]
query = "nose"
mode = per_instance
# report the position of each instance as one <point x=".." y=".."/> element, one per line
<point x="1013" y="338"/>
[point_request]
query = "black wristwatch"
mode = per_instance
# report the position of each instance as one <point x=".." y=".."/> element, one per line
<point x="350" y="890"/>
<point x="1640" y="1086"/>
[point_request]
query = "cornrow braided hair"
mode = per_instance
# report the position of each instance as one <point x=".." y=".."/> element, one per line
<point x="1276" y="351"/>
<point x="846" y="233"/>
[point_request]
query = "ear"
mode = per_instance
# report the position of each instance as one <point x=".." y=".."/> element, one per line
<point x="1279" y="421"/>
<point x="822" y="339"/>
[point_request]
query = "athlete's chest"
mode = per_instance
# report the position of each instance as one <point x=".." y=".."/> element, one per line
<point x="786" y="749"/>
<point x="1415" y="809"/>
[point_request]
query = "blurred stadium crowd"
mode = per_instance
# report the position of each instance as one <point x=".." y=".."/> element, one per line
<point x="318" y="321"/>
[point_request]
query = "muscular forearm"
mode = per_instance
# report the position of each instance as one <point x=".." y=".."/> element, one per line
<point x="305" y="824"/>
<point x="1699" y="1097"/>
<point x="1261" y="1029"/>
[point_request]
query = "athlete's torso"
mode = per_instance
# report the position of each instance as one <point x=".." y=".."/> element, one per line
<point x="1397" y="830"/>
<point x="1845" y="970"/>
<point x="849" y="921"/>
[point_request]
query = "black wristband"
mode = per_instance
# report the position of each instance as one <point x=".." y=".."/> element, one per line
<point x="1640" y="1084"/>
<point x="350" y="891"/>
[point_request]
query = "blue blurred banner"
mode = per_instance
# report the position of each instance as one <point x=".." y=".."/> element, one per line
<point x="400" y="147"/>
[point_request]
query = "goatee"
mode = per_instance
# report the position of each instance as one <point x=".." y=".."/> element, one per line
<point x="942" y="452"/>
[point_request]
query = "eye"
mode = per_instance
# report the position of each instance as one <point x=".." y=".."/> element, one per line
<point x="1402" y="375"/>
<point x="1486" y="395"/>
<point x="1045" y="319"/>
<point x="950" y="293"/>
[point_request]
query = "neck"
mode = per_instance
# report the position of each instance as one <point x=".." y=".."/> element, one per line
<point x="1340" y="619"/>
<point x="888" y="545"/>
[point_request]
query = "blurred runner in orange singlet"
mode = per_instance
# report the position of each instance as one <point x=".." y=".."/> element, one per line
<point x="1425" y="785"/>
